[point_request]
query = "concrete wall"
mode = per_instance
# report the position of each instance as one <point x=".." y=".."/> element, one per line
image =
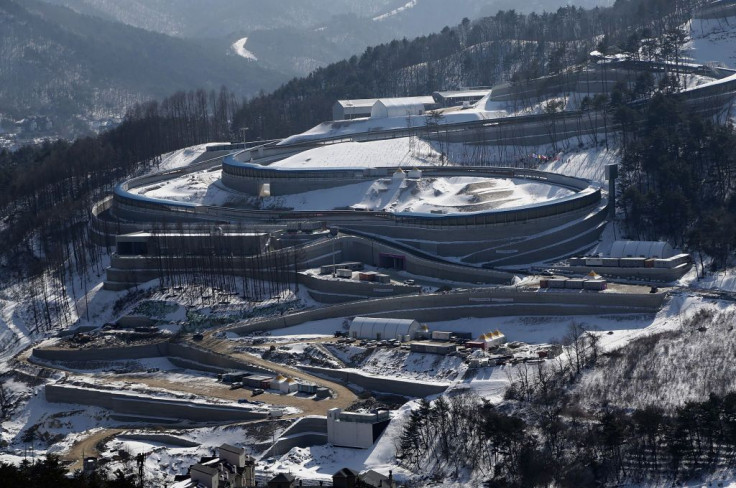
<point x="191" y="356"/>
<point x="126" y="271"/>
<point x="162" y="438"/>
<point x="305" y="432"/>
<point x="664" y="275"/>
<point x="338" y="291"/>
<point x="493" y="302"/>
<point x="349" y="434"/>
<point x="150" y="407"/>
<point x="407" y="388"/>
<point x="159" y="349"/>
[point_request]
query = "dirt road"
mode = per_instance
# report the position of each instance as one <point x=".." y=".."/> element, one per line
<point x="88" y="447"/>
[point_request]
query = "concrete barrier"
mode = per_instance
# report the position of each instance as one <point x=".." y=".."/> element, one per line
<point x="160" y="438"/>
<point x="408" y="388"/>
<point x="305" y="432"/>
<point x="148" y="407"/>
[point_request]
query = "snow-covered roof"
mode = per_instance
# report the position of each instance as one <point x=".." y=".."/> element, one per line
<point x="382" y="328"/>
<point x="359" y="102"/>
<point x="463" y="93"/>
<point x="646" y="249"/>
<point x="400" y="107"/>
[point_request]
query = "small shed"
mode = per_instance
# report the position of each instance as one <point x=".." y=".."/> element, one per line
<point x="282" y="480"/>
<point x="276" y="382"/>
<point x="207" y="476"/>
<point x="429" y="347"/>
<point x="383" y="328"/>
<point x="402" y="107"/>
<point x="375" y="479"/>
<point x="233" y="455"/>
<point x="289" y="385"/>
<point x="345" y="478"/>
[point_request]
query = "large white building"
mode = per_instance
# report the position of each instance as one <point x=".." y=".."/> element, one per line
<point x="382" y="328"/>
<point x="402" y="107"/>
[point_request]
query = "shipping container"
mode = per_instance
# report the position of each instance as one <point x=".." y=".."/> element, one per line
<point x="344" y="273"/>
<point x="461" y="335"/>
<point x="307" y="388"/>
<point x="556" y="283"/>
<point x="256" y="381"/>
<point x="368" y="276"/>
<point x="476" y="345"/>
<point x="543" y="283"/>
<point x="595" y="285"/>
<point x="610" y="262"/>
<point x="672" y="262"/>
<point x="576" y="261"/>
<point x="593" y="262"/>
<point x="383" y="278"/>
<point x="439" y="335"/>
<point x="433" y="347"/>
<point x="323" y="392"/>
<point x="631" y="262"/>
<point x="575" y="284"/>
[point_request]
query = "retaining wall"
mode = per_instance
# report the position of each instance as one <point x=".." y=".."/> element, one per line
<point x="407" y="388"/>
<point x="305" y="432"/>
<point x="155" y="350"/>
<point x="492" y="302"/>
<point x="191" y="356"/>
<point x="144" y="406"/>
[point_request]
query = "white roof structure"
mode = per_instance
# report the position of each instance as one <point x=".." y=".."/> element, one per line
<point x="400" y="107"/>
<point x="480" y="93"/>
<point x="379" y="329"/>
<point x="358" y="103"/>
<point x="642" y="249"/>
<point x="351" y="109"/>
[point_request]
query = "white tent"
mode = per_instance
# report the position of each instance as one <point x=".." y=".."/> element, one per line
<point x="642" y="249"/>
<point x="380" y="329"/>
<point x="400" y="107"/>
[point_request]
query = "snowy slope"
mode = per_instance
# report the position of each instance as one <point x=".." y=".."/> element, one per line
<point x="239" y="48"/>
<point x="713" y="41"/>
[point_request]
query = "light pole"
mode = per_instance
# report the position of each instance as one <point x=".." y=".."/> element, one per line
<point x="243" y="130"/>
<point x="333" y="234"/>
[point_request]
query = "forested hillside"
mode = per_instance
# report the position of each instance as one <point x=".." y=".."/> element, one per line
<point x="56" y="62"/>
<point x="505" y="47"/>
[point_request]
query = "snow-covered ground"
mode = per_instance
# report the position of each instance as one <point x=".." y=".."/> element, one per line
<point x="239" y="48"/>
<point x="425" y="195"/>
<point x="183" y="157"/>
<point x="403" y="151"/>
<point x="712" y="41"/>
<point x="444" y="195"/>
